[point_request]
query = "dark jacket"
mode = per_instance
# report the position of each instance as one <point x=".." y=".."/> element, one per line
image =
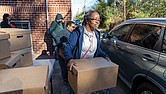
<point x="73" y="47"/>
<point x="56" y="27"/>
<point x="4" y="24"/>
<point x="62" y="36"/>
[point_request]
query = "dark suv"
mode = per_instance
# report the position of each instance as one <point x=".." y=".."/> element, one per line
<point x="138" y="46"/>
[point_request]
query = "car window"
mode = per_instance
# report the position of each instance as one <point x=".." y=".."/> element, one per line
<point x="164" y="43"/>
<point x="121" y="33"/>
<point x="145" y="35"/>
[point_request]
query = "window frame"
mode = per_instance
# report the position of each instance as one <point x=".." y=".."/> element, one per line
<point x="158" y="43"/>
<point x="121" y="26"/>
<point x="161" y="43"/>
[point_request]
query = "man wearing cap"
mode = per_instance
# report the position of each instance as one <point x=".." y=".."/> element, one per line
<point x="6" y="23"/>
<point x="56" y="26"/>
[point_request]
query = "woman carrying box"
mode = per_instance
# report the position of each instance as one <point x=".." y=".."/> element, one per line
<point x="84" y="41"/>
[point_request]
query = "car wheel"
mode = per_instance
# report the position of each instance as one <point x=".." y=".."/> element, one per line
<point x="147" y="88"/>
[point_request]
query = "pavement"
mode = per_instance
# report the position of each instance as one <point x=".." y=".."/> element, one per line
<point x="59" y="87"/>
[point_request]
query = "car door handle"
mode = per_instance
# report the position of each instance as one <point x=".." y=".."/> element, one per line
<point x="116" y="45"/>
<point x="147" y="57"/>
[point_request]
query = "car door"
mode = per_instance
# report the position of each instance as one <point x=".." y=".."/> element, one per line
<point x="132" y="54"/>
<point x="139" y="50"/>
<point x="116" y="39"/>
<point x="158" y="73"/>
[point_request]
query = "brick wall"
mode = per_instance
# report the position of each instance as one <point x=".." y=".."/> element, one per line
<point x="35" y="11"/>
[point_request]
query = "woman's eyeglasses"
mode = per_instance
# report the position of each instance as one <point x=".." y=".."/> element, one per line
<point x="94" y="19"/>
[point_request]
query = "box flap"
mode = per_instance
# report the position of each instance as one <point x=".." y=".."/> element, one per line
<point x="11" y="60"/>
<point x="22" y="51"/>
<point x="26" y="79"/>
<point x="4" y="36"/>
<point x="3" y="66"/>
<point x="15" y="31"/>
<point x="91" y="64"/>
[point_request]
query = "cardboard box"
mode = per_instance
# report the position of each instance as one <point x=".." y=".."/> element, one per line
<point x="26" y="56"/>
<point x="92" y="75"/>
<point x="19" y="38"/>
<point x="26" y="80"/>
<point x="4" y="46"/>
<point x="11" y="62"/>
<point x="49" y="62"/>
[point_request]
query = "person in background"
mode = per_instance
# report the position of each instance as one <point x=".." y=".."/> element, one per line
<point x="84" y="41"/>
<point x="56" y="26"/>
<point x="6" y="23"/>
<point x="62" y="37"/>
<point x="70" y="26"/>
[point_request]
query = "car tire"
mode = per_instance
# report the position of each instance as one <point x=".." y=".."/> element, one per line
<point x="147" y="88"/>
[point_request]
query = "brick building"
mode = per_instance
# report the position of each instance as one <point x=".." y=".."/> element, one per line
<point x="35" y="12"/>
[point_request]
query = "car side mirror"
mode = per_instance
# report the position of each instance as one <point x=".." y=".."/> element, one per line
<point x="105" y="35"/>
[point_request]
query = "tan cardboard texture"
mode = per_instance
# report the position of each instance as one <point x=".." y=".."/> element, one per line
<point x="26" y="56"/>
<point x="4" y="46"/>
<point x="27" y="80"/>
<point x="19" y="38"/>
<point x="3" y="35"/>
<point x="3" y="66"/>
<point x="93" y="75"/>
<point x="49" y="62"/>
<point x="11" y="62"/>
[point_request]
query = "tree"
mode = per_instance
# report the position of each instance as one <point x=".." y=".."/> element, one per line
<point x="109" y="15"/>
<point x="115" y="11"/>
<point x="154" y="8"/>
<point x="80" y="16"/>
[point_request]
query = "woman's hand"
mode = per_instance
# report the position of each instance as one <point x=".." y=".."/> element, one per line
<point x="70" y="64"/>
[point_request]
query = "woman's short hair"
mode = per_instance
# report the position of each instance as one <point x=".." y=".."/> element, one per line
<point x="87" y="16"/>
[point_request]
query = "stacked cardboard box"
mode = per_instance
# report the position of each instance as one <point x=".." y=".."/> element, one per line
<point x="19" y="38"/>
<point x="7" y="60"/>
<point x="15" y="52"/>
<point x="20" y="44"/>
<point x="4" y="46"/>
<point x="26" y="80"/>
<point x="12" y="62"/>
<point x="92" y="75"/>
<point x="26" y="56"/>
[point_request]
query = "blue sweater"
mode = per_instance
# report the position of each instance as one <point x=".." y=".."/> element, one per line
<point x="72" y="49"/>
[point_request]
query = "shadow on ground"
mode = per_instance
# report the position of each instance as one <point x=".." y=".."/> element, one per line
<point x="45" y="55"/>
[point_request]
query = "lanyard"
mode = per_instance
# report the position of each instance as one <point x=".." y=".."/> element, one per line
<point x="91" y="41"/>
<point x="86" y="51"/>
